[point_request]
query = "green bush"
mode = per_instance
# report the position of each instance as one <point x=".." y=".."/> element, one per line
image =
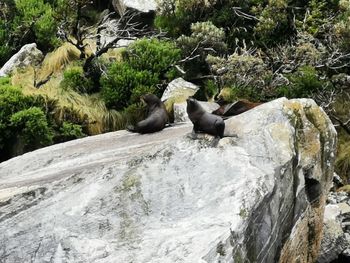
<point x="29" y="122"/>
<point x="140" y="90"/>
<point x="73" y="78"/>
<point x="152" y="55"/>
<point x="34" y="19"/>
<point x="119" y="83"/>
<point x="176" y="16"/>
<point x="69" y="131"/>
<point x="205" y="39"/>
<point x="11" y="101"/>
<point x="246" y="74"/>
<point x="13" y="138"/>
<point x="6" y="16"/>
<point x="303" y="83"/>
<point x="135" y="113"/>
<point x="145" y="64"/>
<point x="31" y="126"/>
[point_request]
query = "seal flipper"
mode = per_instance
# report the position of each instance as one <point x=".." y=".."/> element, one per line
<point x="220" y="128"/>
<point x="215" y="142"/>
<point x="131" y="128"/>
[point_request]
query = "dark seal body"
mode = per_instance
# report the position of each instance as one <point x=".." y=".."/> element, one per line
<point x="204" y="121"/>
<point x="157" y="116"/>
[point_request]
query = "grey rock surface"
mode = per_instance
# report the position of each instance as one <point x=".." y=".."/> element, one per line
<point x="333" y="241"/>
<point x="28" y="55"/>
<point x="143" y="6"/>
<point x="164" y="197"/>
<point x="179" y="88"/>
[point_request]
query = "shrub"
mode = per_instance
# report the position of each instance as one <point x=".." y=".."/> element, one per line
<point x="34" y="20"/>
<point x="241" y="70"/>
<point x="205" y="39"/>
<point x="145" y="64"/>
<point x="152" y="55"/>
<point x="140" y="90"/>
<point x="11" y="101"/>
<point x="69" y="131"/>
<point x="135" y="113"/>
<point x="176" y="16"/>
<point x="73" y="78"/>
<point x="32" y="127"/>
<point x="342" y="25"/>
<point x="6" y="16"/>
<point x="118" y="84"/>
<point x="303" y="83"/>
<point x="23" y="126"/>
<point x="273" y="22"/>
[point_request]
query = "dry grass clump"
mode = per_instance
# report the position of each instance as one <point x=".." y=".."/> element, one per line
<point x="55" y="61"/>
<point x="87" y="107"/>
<point x="68" y="104"/>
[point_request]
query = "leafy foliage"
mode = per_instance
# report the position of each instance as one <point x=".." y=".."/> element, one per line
<point x="32" y="127"/>
<point x="145" y="64"/>
<point x="74" y="79"/>
<point x="152" y="55"/>
<point x="69" y="131"/>
<point x="122" y="79"/>
<point x="303" y="83"/>
<point x="34" y="20"/>
<point x="205" y="39"/>
<point x="11" y="101"/>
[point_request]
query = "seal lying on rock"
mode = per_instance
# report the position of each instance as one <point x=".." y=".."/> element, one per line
<point x="234" y="108"/>
<point x="204" y="121"/>
<point x="156" y="119"/>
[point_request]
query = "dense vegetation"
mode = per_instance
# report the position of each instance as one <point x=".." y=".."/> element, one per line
<point x="255" y="49"/>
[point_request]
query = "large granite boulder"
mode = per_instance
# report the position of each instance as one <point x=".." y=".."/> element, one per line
<point x="179" y="88"/>
<point x="143" y="6"/>
<point x="28" y="55"/>
<point x="258" y="196"/>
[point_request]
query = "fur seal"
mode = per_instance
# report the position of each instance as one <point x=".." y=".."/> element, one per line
<point x="235" y="108"/>
<point x="204" y="121"/>
<point x="157" y="116"/>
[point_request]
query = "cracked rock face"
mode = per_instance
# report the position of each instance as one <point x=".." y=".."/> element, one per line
<point x="27" y="55"/>
<point x="120" y="197"/>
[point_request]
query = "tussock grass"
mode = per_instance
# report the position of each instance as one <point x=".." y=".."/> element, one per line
<point x="90" y="107"/>
<point x="68" y="103"/>
<point x="227" y="95"/>
<point x="56" y="61"/>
